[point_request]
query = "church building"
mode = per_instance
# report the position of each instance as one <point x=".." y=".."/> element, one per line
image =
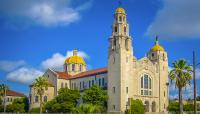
<point x="124" y="77"/>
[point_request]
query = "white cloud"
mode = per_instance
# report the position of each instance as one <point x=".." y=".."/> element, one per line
<point x="24" y="75"/>
<point x="43" y="12"/>
<point x="177" y="18"/>
<point x="19" y="72"/>
<point x="11" y="65"/>
<point x="57" y="60"/>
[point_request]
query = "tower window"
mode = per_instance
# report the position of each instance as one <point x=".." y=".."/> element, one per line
<point x="116" y="18"/>
<point x="152" y="54"/>
<point x="124" y="29"/>
<point x="124" y="18"/>
<point x="115" y="29"/>
<point x="73" y="67"/>
<point x="120" y="18"/>
<point x="164" y="93"/>
<point x="126" y="89"/>
<point x="113" y="89"/>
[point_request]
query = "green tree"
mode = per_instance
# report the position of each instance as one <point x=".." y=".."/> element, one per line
<point x="18" y="105"/>
<point x="173" y="106"/>
<point x="95" y="95"/>
<point x="198" y="98"/>
<point x="181" y="73"/>
<point x="3" y="89"/>
<point x="41" y="85"/>
<point x="136" y="107"/>
<point x="66" y="101"/>
<point x="88" y="108"/>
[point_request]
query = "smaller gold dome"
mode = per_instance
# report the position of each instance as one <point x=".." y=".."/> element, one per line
<point x="157" y="47"/>
<point x="120" y="10"/>
<point x="75" y="59"/>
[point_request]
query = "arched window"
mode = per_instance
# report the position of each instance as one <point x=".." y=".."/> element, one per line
<point x="146" y="103"/>
<point x="125" y="29"/>
<point x="115" y="28"/>
<point x="45" y="98"/>
<point x="73" y="67"/>
<point x="153" y="106"/>
<point x="146" y="85"/>
<point x="120" y="18"/>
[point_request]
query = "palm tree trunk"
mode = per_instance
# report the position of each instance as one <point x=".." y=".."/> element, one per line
<point x="40" y="104"/>
<point x="180" y="101"/>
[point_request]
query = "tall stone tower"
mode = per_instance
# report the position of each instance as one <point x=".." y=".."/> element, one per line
<point x="120" y="58"/>
<point x="158" y="56"/>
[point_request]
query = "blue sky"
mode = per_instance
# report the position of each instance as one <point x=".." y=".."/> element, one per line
<point x="40" y="34"/>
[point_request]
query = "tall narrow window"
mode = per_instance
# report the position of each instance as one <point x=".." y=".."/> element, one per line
<point x="45" y="98"/>
<point x="99" y="82"/>
<point x="80" y="85"/>
<point x="125" y="29"/>
<point x="120" y="18"/>
<point x="113" y="89"/>
<point x="92" y="82"/>
<point x="89" y="83"/>
<point x="103" y="82"/>
<point x="80" y="67"/>
<point x="126" y="89"/>
<point x="73" y="67"/>
<point x="146" y="85"/>
<point x="115" y="28"/>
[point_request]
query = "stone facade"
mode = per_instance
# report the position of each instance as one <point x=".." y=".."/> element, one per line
<point x="125" y="76"/>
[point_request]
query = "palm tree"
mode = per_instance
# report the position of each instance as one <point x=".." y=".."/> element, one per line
<point x="3" y="89"/>
<point x="41" y="85"/>
<point x="181" y="74"/>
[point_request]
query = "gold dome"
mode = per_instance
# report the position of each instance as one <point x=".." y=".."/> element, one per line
<point x="120" y="10"/>
<point x="157" y="47"/>
<point x="75" y="59"/>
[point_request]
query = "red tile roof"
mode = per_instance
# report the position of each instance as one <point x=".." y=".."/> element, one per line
<point x="14" y="93"/>
<point x="89" y="73"/>
<point x="64" y="75"/>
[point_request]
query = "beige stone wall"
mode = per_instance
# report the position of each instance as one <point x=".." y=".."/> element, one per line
<point x="10" y="99"/>
<point x="75" y="83"/>
<point x="49" y="93"/>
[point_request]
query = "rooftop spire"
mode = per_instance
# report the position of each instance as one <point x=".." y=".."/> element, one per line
<point x="156" y="42"/>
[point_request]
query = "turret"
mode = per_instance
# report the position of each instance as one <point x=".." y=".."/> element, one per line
<point x="74" y="64"/>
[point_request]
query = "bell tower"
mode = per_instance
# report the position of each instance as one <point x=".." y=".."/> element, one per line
<point x="120" y="58"/>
